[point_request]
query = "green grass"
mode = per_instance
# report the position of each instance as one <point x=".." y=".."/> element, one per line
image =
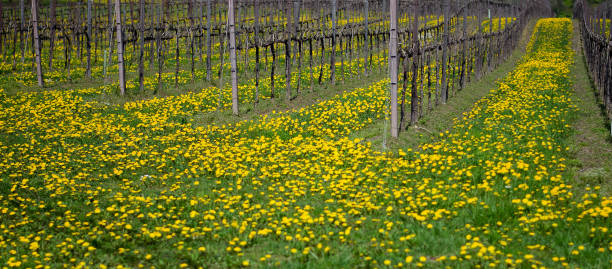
<point x="251" y="111"/>
<point x="591" y="143"/>
<point x="290" y="190"/>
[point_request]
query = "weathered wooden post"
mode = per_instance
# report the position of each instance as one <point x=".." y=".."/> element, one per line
<point x="288" y="36"/>
<point x="366" y="36"/>
<point x="414" y="114"/>
<point x="332" y="63"/>
<point x="120" y="47"/>
<point x="393" y="67"/>
<point x="52" y="32"/>
<point x="158" y="30"/>
<point x="39" y="74"/>
<point x="257" y="45"/>
<point x="445" y="37"/>
<point x="141" y="44"/>
<point x="208" y="41"/>
<point x="88" y="71"/>
<point x="464" y="48"/>
<point x="22" y="29"/>
<point x="233" y="57"/>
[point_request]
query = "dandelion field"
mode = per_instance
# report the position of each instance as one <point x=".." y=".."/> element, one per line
<point x="85" y="184"/>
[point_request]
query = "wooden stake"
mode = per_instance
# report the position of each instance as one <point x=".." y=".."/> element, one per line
<point x="393" y="67"/>
<point x="120" y="47"/>
<point x="39" y="74"/>
<point x="141" y="44"/>
<point x="88" y="70"/>
<point x="445" y="37"/>
<point x="233" y="57"/>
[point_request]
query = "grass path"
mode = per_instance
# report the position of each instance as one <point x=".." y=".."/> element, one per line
<point x="591" y="143"/>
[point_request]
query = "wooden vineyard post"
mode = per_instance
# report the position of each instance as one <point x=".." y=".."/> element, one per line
<point x="177" y="50"/>
<point x="445" y="37"/>
<point x="428" y="61"/>
<point x="488" y="40"/>
<point x="296" y="22"/>
<point x="343" y="46"/>
<point x="88" y="71"/>
<point x="39" y="74"/>
<point x="499" y="39"/>
<point x="191" y="39"/>
<point x="414" y="102"/>
<point x="332" y="64"/>
<point x="208" y="41"/>
<point x="463" y="49"/>
<point x="479" y="48"/>
<point x="120" y="47"/>
<point x="273" y="67"/>
<point x="367" y="37"/>
<point x="297" y="34"/>
<point x="321" y="55"/>
<point x="3" y="52"/>
<point x="108" y="52"/>
<point x="257" y="44"/>
<point x="200" y="30"/>
<point x="141" y="45"/>
<point x="437" y="60"/>
<point x="158" y="30"/>
<point x="608" y="84"/>
<point x="77" y="21"/>
<point x="5" y="42"/>
<point x="393" y="67"/>
<point x="152" y="15"/>
<point x="402" y="106"/>
<point x="232" y="48"/>
<point x="288" y="36"/>
<point x="246" y="42"/>
<point x="22" y="29"/>
<point x="15" y="34"/>
<point x="601" y="22"/>
<point x="310" y="64"/>
<point x="67" y="50"/>
<point x="52" y="32"/>
<point x="222" y="49"/>
<point x="421" y="60"/>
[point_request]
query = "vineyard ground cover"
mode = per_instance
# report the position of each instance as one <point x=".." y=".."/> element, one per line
<point x="247" y="81"/>
<point x="219" y="198"/>
<point x="591" y="143"/>
<point x="249" y="111"/>
<point x="442" y="117"/>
